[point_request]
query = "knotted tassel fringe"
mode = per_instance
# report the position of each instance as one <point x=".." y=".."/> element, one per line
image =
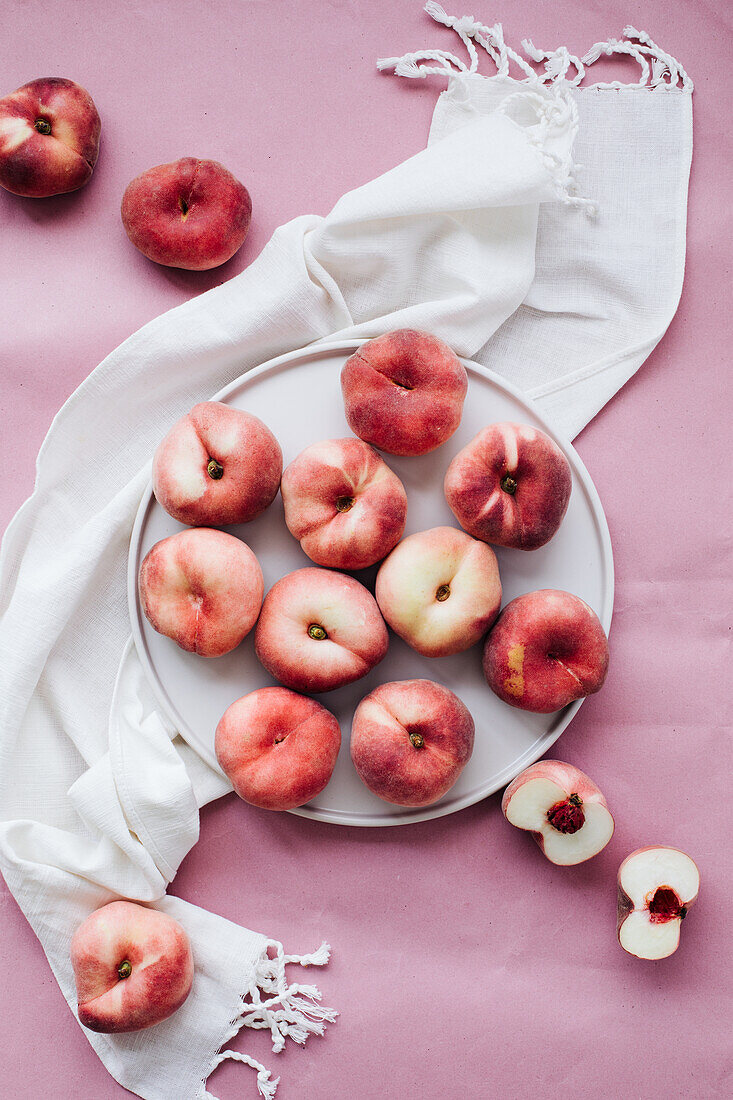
<point x="289" y="1011"/>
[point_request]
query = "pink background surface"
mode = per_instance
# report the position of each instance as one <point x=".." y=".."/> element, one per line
<point x="464" y="964"/>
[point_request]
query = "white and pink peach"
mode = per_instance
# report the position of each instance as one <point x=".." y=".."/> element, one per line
<point x="133" y="967"/>
<point x="439" y="590"/>
<point x="319" y="630"/>
<point x="217" y="466"/>
<point x="343" y="504"/>
<point x="203" y="589"/>
<point x="562" y="808"/>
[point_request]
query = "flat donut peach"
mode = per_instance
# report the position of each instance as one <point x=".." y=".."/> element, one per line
<point x="343" y="504"/>
<point x="404" y="392"/>
<point x="545" y="650"/>
<point x="217" y="466"/>
<point x="278" y="748"/>
<point x="510" y="486"/>
<point x="203" y="589"/>
<point x="410" y="740"/>
<point x="319" y="630"/>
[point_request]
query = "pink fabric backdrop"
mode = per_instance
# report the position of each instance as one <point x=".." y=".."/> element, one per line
<point x="464" y="964"/>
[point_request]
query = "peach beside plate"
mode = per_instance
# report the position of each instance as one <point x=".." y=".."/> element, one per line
<point x="299" y="397"/>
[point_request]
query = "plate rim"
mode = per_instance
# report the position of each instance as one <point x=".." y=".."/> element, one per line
<point x="533" y="753"/>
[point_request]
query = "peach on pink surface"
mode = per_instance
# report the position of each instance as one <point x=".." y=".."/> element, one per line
<point x="439" y="590"/>
<point x="562" y="808"/>
<point x="319" y="630"/>
<point x="277" y="748"/>
<point x="190" y="213"/>
<point x="404" y="392"/>
<point x="510" y="485"/>
<point x="217" y="466"/>
<point x="657" y="886"/>
<point x="343" y="504"/>
<point x="546" y="649"/>
<point x="410" y="740"/>
<point x="202" y="588"/>
<point x="49" y="138"/>
<point x="133" y="967"/>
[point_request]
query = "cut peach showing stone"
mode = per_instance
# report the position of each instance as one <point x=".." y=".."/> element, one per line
<point x="656" y="888"/>
<point x="563" y="810"/>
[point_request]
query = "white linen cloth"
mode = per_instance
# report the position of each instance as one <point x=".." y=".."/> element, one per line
<point x="98" y="797"/>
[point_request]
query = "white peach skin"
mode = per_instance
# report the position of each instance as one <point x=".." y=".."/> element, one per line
<point x="656" y="888"/>
<point x="217" y="466"/>
<point x="277" y="748"/>
<point x="410" y="740"/>
<point x="343" y="504"/>
<point x="133" y="967"/>
<point x="563" y="810"/>
<point x="439" y="590"/>
<point x="203" y="589"/>
<point x="319" y="630"/>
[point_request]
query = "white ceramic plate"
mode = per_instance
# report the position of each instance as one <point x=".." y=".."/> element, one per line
<point x="299" y="398"/>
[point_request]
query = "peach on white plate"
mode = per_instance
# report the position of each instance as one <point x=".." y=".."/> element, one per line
<point x="439" y="590"/>
<point x="343" y="503"/>
<point x="563" y="810"/>
<point x="410" y="741"/>
<point x="657" y="886"/>
<point x="510" y="486"/>
<point x="277" y="748"/>
<point x="203" y="589"/>
<point x="546" y="649"/>
<point x="319" y="630"/>
<point x="404" y="392"/>
<point x="217" y="466"/>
